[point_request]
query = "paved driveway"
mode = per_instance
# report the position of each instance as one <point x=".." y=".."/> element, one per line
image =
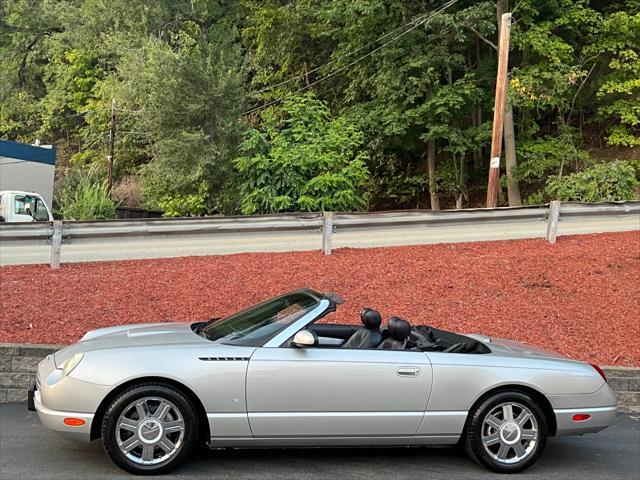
<point x="28" y="451"/>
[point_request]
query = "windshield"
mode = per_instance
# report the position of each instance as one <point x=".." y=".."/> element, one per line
<point x="254" y="326"/>
<point x="29" y="205"/>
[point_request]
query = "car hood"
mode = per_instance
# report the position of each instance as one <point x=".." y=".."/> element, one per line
<point x="142" y="335"/>
<point x="513" y="348"/>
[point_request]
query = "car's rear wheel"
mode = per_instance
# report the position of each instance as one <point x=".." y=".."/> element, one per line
<point x="507" y="432"/>
<point x="149" y="428"/>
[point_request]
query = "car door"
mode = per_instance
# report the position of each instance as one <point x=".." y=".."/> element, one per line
<point x="336" y="392"/>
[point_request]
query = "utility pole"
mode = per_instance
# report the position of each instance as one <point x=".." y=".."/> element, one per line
<point x="509" y="134"/>
<point x="498" y="111"/>
<point x="112" y="142"/>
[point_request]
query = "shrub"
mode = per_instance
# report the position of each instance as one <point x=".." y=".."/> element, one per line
<point x="89" y="201"/>
<point x="538" y="158"/>
<point x="187" y="205"/>
<point x="82" y="194"/>
<point x="604" y="182"/>
<point x="536" y="198"/>
<point x="303" y="159"/>
<point x="128" y="191"/>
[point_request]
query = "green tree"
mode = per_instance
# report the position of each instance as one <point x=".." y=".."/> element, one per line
<point x="618" y="41"/>
<point x="603" y="182"/>
<point x="188" y="95"/>
<point x="303" y="159"/>
<point x="418" y="88"/>
<point x="174" y="69"/>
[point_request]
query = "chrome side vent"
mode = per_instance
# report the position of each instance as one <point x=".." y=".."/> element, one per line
<point x="224" y="359"/>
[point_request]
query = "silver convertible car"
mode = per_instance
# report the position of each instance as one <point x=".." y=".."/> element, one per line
<point x="288" y="372"/>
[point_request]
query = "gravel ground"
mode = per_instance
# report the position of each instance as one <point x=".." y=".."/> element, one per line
<point x="580" y="297"/>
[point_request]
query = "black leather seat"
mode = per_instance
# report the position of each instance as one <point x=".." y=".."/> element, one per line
<point x="398" y="331"/>
<point x="368" y="336"/>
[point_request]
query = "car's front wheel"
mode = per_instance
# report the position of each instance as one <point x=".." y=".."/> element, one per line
<point x="149" y="428"/>
<point x="507" y="432"/>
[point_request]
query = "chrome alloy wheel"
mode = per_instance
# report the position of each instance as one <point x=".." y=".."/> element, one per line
<point x="150" y="430"/>
<point x="509" y="433"/>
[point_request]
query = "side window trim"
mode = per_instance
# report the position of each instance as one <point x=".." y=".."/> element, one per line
<point x="283" y="336"/>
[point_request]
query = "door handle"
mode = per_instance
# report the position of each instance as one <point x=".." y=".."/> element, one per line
<point x="408" y="371"/>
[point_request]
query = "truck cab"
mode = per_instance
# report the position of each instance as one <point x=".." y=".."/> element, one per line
<point x="18" y="206"/>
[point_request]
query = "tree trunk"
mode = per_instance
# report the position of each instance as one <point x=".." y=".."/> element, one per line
<point x="477" y="159"/>
<point x="513" y="189"/>
<point x="306" y="74"/>
<point x="474" y="124"/>
<point x="473" y="112"/>
<point x="460" y="196"/>
<point x="509" y="134"/>
<point x="480" y="149"/>
<point x="431" y="168"/>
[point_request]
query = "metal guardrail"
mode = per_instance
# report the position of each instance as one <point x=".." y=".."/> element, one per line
<point x="328" y="223"/>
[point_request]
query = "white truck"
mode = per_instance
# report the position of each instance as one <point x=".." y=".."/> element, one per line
<point x="17" y="206"/>
<point x="24" y="170"/>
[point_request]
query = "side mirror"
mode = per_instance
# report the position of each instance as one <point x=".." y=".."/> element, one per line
<point x="304" y="339"/>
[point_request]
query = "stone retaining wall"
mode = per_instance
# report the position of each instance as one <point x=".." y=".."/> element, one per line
<point x="626" y="382"/>
<point x="18" y="364"/>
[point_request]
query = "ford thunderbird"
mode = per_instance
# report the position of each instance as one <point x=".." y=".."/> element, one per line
<point x="292" y="372"/>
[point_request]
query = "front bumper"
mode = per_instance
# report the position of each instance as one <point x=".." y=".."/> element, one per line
<point x="31" y="406"/>
<point x="54" y="420"/>
<point x="56" y="397"/>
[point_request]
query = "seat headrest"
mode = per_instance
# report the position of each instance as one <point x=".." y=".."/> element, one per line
<point x="398" y="328"/>
<point x="371" y="318"/>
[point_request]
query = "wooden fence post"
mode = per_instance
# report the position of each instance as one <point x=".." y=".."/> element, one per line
<point x="327" y="232"/>
<point x="552" y="221"/>
<point x="56" y="243"/>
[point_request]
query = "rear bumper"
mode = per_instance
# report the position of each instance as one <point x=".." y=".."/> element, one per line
<point x="54" y="420"/>
<point x="600" y="418"/>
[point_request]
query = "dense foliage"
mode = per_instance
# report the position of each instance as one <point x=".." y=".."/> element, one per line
<point x="83" y="195"/>
<point x="389" y="82"/>
<point x="606" y="181"/>
<point x="304" y="161"/>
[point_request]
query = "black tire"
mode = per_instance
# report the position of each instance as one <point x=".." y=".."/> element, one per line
<point x="158" y="390"/>
<point x="473" y="436"/>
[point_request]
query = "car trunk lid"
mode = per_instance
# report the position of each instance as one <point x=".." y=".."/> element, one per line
<point x="502" y="345"/>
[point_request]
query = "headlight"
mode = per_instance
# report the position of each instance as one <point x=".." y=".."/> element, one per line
<point x="71" y="363"/>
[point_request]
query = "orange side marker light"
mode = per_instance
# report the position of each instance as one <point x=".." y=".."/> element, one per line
<point x="73" y="422"/>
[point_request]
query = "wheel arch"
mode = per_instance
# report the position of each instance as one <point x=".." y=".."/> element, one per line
<point x="96" y="424"/>
<point x="539" y="397"/>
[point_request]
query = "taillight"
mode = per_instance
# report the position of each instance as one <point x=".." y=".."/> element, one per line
<point x="600" y="371"/>
<point x="581" y="417"/>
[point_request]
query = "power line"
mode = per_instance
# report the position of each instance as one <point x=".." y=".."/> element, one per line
<point x="537" y="7"/>
<point x="359" y="59"/>
<point x="342" y="57"/>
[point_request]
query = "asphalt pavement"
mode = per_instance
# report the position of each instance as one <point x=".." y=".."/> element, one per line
<point x="28" y="451"/>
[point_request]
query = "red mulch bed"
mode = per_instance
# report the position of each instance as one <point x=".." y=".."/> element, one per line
<point x="580" y="297"/>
